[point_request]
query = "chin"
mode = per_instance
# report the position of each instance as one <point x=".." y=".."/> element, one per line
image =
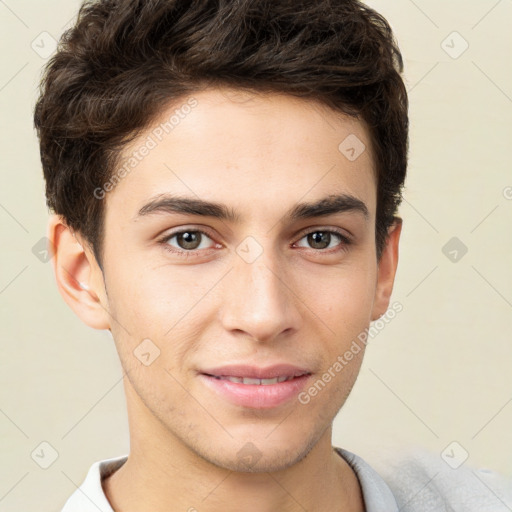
<point x="256" y="461"/>
<point x="258" y="454"/>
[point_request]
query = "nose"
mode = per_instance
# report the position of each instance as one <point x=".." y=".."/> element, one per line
<point x="261" y="300"/>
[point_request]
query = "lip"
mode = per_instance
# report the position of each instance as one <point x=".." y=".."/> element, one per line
<point x="256" y="396"/>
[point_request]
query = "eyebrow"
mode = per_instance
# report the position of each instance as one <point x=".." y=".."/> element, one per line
<point x="330" y="205"/>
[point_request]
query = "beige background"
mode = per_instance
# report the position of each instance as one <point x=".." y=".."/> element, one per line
<point x="439" y="372"/>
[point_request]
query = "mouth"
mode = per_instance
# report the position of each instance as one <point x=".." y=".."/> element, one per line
<point x="251" y="381"/>
<point x="256" y="388"/>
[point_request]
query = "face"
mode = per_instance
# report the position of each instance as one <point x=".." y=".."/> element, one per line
<point x="275" y="280"/>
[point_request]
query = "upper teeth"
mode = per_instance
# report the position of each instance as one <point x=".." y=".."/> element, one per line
<point x="248" y="380"/>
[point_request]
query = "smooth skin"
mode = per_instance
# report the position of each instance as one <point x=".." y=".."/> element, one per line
<point x="302" y="301"/>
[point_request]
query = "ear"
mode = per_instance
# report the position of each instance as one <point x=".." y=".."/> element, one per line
<point x="386" y="270"/>
<point x="78" y="275"/>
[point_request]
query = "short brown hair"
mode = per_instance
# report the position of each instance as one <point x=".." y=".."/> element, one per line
<point x="125" y="60"/>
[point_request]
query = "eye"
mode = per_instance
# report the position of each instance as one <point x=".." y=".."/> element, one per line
<point x="321" y="239"/>
<point x="186" y="241"/>
<point x="190" y="242"/>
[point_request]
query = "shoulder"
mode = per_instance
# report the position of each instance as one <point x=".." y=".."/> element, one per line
<point x="90" y="497"/>
<point x="423" y="481"/>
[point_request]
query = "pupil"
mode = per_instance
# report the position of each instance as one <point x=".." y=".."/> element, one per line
<point x="190" y="240"/>
<point x="324" y="238"/>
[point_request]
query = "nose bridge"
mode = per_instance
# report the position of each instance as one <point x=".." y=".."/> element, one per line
<point x="259" y="302"/>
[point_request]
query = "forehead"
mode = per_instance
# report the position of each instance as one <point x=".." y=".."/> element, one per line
<point x="259" y="153"/>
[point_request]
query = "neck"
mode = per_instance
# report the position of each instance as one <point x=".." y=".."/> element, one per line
<point x="164" y="475"/>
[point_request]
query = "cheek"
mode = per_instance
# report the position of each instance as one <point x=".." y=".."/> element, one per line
<point x="343" y="299"/>
<point x="165" y="306"/>
<point x="149" y="298"/>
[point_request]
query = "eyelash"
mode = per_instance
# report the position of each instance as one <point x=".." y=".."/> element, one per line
<point x="345" y="242"/>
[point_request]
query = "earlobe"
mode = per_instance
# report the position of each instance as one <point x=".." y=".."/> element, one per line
<point x="78" y="276"/>
<point x="386" y="270"/>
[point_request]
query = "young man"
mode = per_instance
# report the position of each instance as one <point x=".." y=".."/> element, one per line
<point x="225" y="177"/>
